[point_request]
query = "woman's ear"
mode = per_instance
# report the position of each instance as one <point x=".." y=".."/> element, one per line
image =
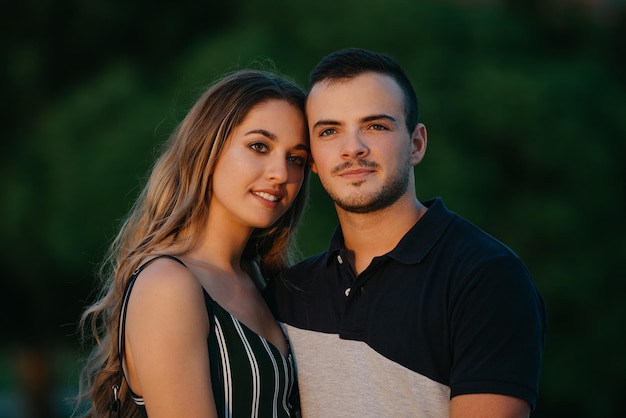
<point x="312" y="165"/>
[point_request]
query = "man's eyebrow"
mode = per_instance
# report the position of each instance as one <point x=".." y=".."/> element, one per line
<point x="263" y="132"/>
<point x="371" y="118"/>
<point x="379" y="117"/>
<point x="326" y="122"/>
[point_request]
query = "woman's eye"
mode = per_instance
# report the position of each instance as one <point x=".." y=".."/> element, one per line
<point x="327" y="132"/>
<point x="259" y="147"/>
<point x="297" y="160"/>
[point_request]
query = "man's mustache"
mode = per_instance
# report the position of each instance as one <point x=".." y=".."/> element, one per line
<point x="351" y="164"/>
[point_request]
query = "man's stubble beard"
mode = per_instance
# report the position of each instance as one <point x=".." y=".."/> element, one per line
<point x="391" y="191"/>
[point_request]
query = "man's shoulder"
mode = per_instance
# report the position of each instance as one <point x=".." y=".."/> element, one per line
<point x="458" y="230"/>
<point x="307" y="266"/>
<point x="289" y="292"/>
<point x="297" y="276"/>
<point x="467" y="234"/>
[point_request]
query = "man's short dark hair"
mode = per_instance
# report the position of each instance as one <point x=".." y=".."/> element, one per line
<point x="351" y="62"/>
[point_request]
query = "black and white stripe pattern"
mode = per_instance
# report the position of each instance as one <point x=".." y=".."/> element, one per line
<point x="255" y="379"/>
<point x="250" y="377"/>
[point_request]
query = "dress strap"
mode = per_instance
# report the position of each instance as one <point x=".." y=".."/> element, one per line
<point x="129" y="287"/>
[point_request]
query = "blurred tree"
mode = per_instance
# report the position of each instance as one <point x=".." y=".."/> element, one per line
<point x="524" y="103"/>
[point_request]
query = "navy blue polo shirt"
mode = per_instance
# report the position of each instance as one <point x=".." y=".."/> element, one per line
<point x="449" y="311"/>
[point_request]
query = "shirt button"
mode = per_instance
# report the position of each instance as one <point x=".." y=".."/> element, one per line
<point x="339" y="259"/>
<point x="347" y="292"/>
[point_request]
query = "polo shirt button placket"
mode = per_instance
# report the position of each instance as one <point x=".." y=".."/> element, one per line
<point x="340" y="261"/>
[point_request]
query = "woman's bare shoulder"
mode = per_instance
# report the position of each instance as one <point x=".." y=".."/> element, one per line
<point x="165" y="286"/>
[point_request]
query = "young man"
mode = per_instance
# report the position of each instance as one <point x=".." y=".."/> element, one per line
<point x="412" y="310"/>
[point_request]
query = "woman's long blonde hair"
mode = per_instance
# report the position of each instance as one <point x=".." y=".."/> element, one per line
<point x="171" y="209"/>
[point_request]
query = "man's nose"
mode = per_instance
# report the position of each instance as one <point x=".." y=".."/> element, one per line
<point x="354" y="146"/>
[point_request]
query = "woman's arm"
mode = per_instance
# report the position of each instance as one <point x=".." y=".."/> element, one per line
<point x="166" y="342"/>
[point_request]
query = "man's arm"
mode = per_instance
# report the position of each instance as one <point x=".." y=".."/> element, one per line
<point x="499" y="334"/>
<point x="487" y="405"/>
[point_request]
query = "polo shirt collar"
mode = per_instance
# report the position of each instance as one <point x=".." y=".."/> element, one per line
<point x="417" y="242"/>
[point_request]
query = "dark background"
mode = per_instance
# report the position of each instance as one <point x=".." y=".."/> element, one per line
<point x="524" y="101"/>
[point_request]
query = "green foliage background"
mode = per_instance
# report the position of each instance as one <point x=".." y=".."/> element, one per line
<point x="525" y="104"/>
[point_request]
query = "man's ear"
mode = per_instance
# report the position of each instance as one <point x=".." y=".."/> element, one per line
<point x="418" y="143"/>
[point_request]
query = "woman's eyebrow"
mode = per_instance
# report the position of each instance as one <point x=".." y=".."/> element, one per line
<point x="263" y="132"/>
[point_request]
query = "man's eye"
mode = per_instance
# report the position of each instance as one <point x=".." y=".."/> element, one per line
<point x="327" y="132"/>
<point x="378" y="127"/>
<point x="259" y="147"/>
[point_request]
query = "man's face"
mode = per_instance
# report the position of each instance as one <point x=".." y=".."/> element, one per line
<point x="360" y="146"/>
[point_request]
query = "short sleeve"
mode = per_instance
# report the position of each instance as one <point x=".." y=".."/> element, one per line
<point x="498" y="330"/>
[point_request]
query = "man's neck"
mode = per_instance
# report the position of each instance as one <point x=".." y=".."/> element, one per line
<point x="368" y="235"/>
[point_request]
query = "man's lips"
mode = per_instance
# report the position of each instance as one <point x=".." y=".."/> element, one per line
<point x="359" y="168"/>
<point x="357" y="172"/>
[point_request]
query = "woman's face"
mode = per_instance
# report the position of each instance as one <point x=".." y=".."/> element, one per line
<point x="261" y="168"/>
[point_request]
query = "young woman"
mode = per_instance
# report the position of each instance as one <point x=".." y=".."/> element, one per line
<point x="196" y="339"/>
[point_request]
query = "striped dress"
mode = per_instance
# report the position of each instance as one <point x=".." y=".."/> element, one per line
<point x="250" y="376"/>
